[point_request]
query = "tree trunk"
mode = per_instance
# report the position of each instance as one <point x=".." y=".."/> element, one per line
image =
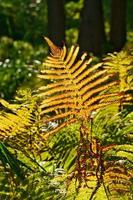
<point x="92" y="32"/>
<point x="56" y="21"/>
<point x="118" y="24"/>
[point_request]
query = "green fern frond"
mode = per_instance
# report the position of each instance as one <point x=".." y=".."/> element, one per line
<point x="14" y="121"/>
<point x="20" y="124"/>
<point x="122" y="63"/>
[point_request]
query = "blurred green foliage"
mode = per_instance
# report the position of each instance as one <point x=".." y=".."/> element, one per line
<point x="23" y="24"/>
<point x="72" y="9"/>
<point x="23" y="20"/>
<point x="27" y="19"/>
<point x="19" y="62"/>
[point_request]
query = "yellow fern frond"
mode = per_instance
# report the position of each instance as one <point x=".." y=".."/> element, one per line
<point x="75" y="85"/>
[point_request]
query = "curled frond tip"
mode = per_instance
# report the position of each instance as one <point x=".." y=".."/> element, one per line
<point x="55" y="50"/>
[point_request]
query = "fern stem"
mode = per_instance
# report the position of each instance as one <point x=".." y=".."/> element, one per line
<point x="105" y="191"/>
<point x="95" y="190"/>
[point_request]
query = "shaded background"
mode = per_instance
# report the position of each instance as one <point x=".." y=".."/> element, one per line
<point x="98" y="26"/>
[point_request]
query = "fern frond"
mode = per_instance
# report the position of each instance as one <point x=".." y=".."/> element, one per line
<point x="76" y="87"/>
<point x="122" y="64"/>
<point x="19" y="125"/>
<point x="118" y="180"/>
